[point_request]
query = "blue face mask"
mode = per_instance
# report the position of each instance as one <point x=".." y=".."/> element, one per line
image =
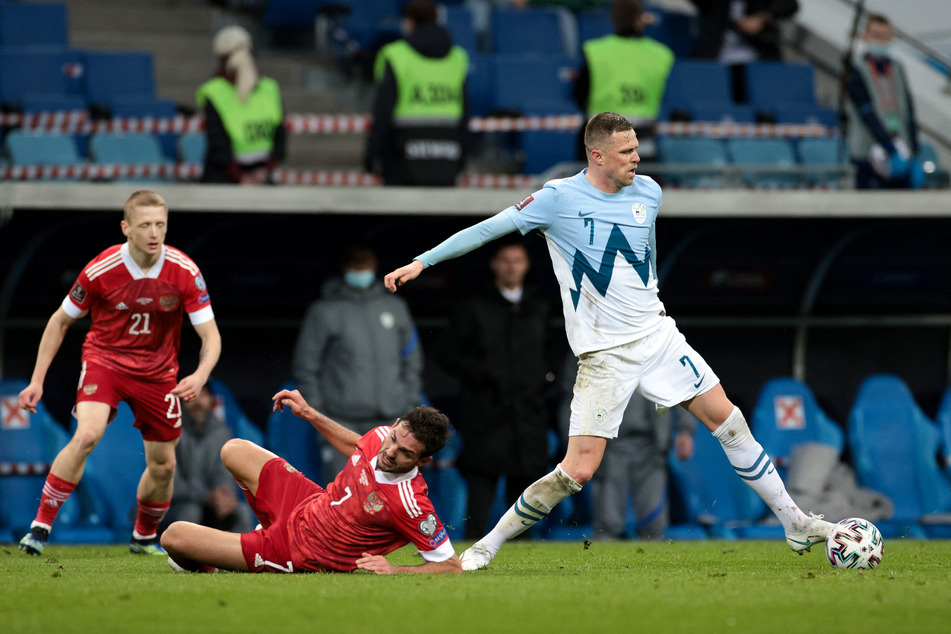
<point x="359" y="279"/>
<point x="878" y="50"/>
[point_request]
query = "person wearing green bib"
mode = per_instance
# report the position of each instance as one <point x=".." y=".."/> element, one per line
<point x="420" y="110"/>
<point x="624" y="72"/>
<point x="244" y="115"/>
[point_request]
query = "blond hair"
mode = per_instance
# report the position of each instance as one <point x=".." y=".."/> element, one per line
<point x="142" y="198"/>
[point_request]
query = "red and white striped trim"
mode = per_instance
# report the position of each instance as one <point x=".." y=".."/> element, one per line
<point x="409" y="498"/>
<point x="102" y="266"/>
<point x="24" y="468"/>
<point x="78" y="122"/>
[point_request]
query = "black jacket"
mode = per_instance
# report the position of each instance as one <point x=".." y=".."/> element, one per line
<point x="501" y="353"/>
<point x="715" y="20"/>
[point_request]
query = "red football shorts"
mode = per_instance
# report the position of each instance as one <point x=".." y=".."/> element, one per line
<point x="158" y="413"/>
<point x="281" y="488"/>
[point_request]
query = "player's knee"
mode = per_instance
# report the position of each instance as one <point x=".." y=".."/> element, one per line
<point x="84" y="442"/>
<point x="172" y="537"/>
<point x="164" y="470"/>
<point x="231" y="451"/>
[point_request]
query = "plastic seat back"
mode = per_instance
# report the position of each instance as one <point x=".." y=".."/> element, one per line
<point x="26" y="148"/>
<point x="787" y="415"/>
<point x="693" y="151"/>
<point x="515" y="31"/>
<point x="776" y="153"/>
<point x="894" y="448"/>
<point x="33" y="24"/>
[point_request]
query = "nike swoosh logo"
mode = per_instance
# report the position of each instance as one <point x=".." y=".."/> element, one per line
<point x="805" y="543"/>
<point x="770" y="470"/>
<point x="582" y="214"/>
<point x="697" y="384"/>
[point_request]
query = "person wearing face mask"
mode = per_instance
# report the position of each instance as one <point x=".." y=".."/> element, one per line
<point x="420" y="109"/>
<point x="882" y="133"/>
<point x="244" y="115"/>
<point x="357" y="356"/>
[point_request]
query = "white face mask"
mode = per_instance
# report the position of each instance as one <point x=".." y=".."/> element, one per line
<point x="359" y="279"/>
<point x="876" y="49"/>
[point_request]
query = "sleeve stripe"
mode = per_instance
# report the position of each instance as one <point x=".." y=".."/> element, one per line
<point x="182" y="260"/>
<point x="409" y="499"/>
<point x="99" y="268"/>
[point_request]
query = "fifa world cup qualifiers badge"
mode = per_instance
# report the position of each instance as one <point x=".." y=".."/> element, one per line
<point x="78" y="293"/>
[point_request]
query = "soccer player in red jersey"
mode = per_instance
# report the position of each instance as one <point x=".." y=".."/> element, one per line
<point x="136" y="294"/>
<point x="378" y="503"/>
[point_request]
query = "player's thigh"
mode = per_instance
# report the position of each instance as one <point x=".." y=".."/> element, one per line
<point x="603" y="387"/>
<point x="91" y="421"/>
<point x="675" y="372"/>
<point x="158" y="412"/>
<point x="245" y="460"/>
<point x="206" y="545"/>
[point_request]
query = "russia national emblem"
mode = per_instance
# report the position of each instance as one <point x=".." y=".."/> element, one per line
<point x="373" y="503"/>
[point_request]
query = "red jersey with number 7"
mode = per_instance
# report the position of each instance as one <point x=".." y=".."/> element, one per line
<point x="137" y="316"/>
<point x="365" y="510"/>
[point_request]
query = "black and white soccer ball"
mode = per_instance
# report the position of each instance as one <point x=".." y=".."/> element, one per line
<point x="855" y="543"/>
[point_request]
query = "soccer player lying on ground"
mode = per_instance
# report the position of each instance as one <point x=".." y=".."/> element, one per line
<point x="599" y="225"/>
<point x="375" y="505"/>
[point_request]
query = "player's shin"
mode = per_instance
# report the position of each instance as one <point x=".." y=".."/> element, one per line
<point x="753" y="465"/>
<point x="532" y="506"/>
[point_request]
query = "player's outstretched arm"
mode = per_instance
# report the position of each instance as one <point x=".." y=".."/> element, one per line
<point x="342" y="439"/>
<point x="402" y="275"/>
<point x="381" y="566"/>
<point x="50" y="342"/>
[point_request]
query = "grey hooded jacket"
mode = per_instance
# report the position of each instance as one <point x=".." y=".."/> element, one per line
<point x="358" y="357"/>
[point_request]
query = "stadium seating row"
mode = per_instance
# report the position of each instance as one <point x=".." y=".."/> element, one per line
<point x="912" y="467"/>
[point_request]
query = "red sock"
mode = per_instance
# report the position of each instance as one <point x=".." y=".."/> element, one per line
<point x="148" y="518"/>
<point x="55" y="492"/>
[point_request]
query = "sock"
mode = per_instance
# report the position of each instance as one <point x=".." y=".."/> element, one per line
<point x="55" y="493"/>
<point x="535" y="503"/>
<point x="751" y="463"/>
<point x="148" y="517"/>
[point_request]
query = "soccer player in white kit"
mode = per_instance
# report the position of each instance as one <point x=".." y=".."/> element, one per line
<point x="599" y="225"/>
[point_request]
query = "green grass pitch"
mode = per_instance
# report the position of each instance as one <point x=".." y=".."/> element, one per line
<point x="712" y="586"/>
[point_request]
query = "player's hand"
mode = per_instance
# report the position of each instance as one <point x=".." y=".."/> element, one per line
<point x="376" y="563"/>
<point x="188" y="388"/>
<point x="402" y="275"/>
<point x="30" y="396"/>
<point x="291" y="399"/>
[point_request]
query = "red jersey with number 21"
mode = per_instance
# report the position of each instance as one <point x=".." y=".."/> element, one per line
<point x="137" y="317"/>
<point x="365" y="510"/>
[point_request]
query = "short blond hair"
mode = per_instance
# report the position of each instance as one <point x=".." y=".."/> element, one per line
<point x="142" y="198"/>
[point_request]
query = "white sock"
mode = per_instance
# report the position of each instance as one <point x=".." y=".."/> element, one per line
<point x="751" y="463"/>
<point x="535" y="503"/>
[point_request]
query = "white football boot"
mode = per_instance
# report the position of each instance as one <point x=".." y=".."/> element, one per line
<point x="814" y="531"/>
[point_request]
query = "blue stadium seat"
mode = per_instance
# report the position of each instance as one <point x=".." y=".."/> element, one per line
<point x="26" y="73"/>
<point x="372" y="22"/>
<point x="776" y="153"/>
<point x="594" y="23"/>
<point x="127" y="149"/>
<point x="113" y="471"/>
<point x="27" y="148"/>
<point x="144" y="107"/>
<point x="33" y="24"/>
<point x="701" y="151"/>
<point x="113" y="75"/>
<point x="534" y="84"/>
<point x="52" y="103"/>
<point x="690" y="81"/>
<point x="296" y="441"/>
<point x="944" y="425"/>
<point x="775" y="85"/>
<point x="894" y="450"/>
<point x="707" y="492"/>
<point x="806" y="113"/>
<point x="787" y="414"/>
<point x="679" y="31"/>
<point x="823" y="151"/>
<point x="515" y="31"/>
<point x="546" y="148"/>
<point x="35" y="439"/>
<point x="722" y="112"/>
<point x="460" y="25"/>
<point x="282" y="14"/>
<point x="192" y="147"/>
<point x="481" y="84"/>
<point x="228" y="410"/>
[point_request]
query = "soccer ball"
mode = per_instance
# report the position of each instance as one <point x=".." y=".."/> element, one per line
<point x="854" y="543"/>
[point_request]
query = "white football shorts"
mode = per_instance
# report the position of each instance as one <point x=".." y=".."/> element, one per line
<point x="661" y="366"/>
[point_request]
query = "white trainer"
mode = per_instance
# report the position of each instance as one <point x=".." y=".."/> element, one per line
<point x="814" y="531"/>
<point x="476" y="557"/>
